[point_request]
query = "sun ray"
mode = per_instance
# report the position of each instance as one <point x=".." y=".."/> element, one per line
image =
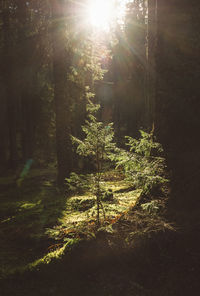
<point x="103" y="14"/>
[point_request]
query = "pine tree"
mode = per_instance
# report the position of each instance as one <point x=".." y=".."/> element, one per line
<point x="98" y="145"/>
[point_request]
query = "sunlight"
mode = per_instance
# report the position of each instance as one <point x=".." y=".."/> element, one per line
<point x="102" y="14"/>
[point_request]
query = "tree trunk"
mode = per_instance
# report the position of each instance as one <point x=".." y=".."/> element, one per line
<point x="3" y="128"/>
<point x="10" y="87"/>
<point x="151" y="62"/>
<point x="27" y="82"/>
<point x="61" y="65"/>
<point x="177" y="96"/>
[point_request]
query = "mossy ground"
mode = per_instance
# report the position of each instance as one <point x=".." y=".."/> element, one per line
<point x="39" y="224"/>
<point x="136" y="254"/>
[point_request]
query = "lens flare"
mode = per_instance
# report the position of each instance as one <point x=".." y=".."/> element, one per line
<point x="102" y="14"/>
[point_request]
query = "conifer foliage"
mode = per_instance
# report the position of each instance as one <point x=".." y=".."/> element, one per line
<point x="98" y="145"/>
<point x="143" y="162"/>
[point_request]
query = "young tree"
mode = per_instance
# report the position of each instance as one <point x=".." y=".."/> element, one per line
<point x="143" y="165"/>
<point x="97" y="145"/>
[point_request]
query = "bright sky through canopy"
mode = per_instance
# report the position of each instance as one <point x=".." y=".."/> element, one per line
<point x="104" y="13"/>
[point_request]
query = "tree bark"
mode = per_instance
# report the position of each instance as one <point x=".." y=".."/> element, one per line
<point x="26" y="83"/>
<point x="61" y="65"/>
<point x="10" y="87"/>
<point x="151" y="62"/>
<point x="177" y="119"/>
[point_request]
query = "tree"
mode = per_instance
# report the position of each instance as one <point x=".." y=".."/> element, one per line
<point x="9" y="69"/>
<point x="25" y="82"/>
<point x="143" y="164"/>
<point x="129" y="70"/>
<point x="151" y="62"/>
<point x="61" y="68"/>
<point x="98" y="145"/>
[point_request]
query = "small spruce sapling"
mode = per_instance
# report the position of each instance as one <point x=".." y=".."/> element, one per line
<point x="98" y="145"/>
<point x="143" y="166"/>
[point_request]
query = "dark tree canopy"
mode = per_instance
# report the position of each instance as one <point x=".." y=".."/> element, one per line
<point x="47" y="62"/>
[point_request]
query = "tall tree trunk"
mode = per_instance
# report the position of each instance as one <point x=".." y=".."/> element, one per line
<point x="61" y="64"/>
<point x="177" y="97"/>
<point x="10" y="87"/>
<point x="151" y="62"/>
<point x="3" y="128"/>
<point x="27" y="82"/>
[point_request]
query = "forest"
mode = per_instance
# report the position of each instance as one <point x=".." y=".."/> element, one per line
<point x="99" y="147"/>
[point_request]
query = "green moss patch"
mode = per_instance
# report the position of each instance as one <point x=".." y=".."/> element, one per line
<point x="38" y="224"/>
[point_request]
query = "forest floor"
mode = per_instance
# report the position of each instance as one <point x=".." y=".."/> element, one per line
<point x="39" y="223"/>
<point x="45" y="252"/>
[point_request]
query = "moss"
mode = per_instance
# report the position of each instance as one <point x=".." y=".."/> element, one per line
<point x="54" y="255"/>
<point x="39" y="224"/>
<point x="82" y="203"/>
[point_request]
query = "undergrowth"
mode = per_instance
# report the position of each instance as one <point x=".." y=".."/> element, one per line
<point x="39" y="224"/>
<point x="44" y="224"/>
